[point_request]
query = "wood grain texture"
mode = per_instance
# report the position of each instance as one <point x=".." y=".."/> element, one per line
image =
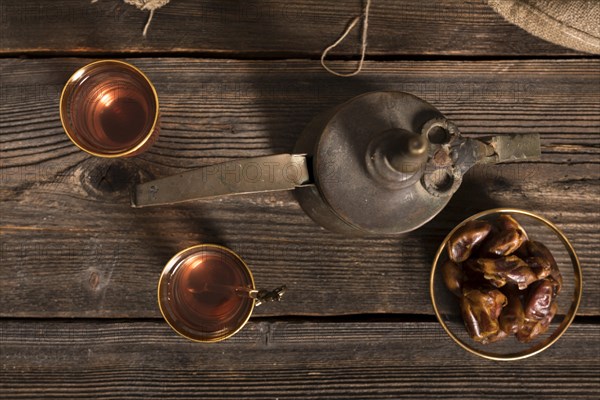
<point x="283" y="360"/>
<point x="72" y="247"/>
<point x="232" y="28"/>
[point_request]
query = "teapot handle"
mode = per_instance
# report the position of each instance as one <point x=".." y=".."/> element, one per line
<point x="249" y="175"/>
<point x="452" y="155"/>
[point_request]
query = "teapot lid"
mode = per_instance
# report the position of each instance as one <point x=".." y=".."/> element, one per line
<point x="343" y="163"/>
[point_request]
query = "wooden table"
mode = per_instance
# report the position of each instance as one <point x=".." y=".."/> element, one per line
<point x="79" y="267"/>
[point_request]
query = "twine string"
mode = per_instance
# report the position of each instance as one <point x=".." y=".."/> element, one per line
<point x="148" y="23"/>
<point x="363" y="49"/>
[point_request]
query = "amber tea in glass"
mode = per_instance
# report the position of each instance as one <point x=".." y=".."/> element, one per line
<point x="109" y="108"/>
<point x="205" y="293"/>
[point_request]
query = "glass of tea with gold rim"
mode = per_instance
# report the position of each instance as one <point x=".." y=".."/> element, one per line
<point x="110" y="109"/>
<point x="206" y="293"/>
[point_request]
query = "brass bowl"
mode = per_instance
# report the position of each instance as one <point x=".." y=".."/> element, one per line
<point x="446" y="305"/>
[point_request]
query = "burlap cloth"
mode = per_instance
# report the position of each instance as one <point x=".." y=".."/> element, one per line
<point x="570" y="23"/>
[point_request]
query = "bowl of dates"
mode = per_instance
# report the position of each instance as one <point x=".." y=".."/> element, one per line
<point x="505" y="284"/>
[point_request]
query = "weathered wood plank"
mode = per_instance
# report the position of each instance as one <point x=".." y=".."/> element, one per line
<point x="264" y="27"/>
<point x="283" y="360"/>
<point x="71" y="246"/>
<point x="238" y="106"/>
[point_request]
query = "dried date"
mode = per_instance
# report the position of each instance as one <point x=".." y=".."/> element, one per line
<point x="532" y="328"/>
<point x="540" y="299"/>
<point x="509" y="269"/>
<point x="539" y="250"/>
<point x="512" y="316"/>
<point x="466" y="238"/>
<point x="480" y="309"/>
<point x="453" y="277"/>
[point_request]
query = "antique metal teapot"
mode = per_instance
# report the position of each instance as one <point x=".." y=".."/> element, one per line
<point x="380" y="163"/>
